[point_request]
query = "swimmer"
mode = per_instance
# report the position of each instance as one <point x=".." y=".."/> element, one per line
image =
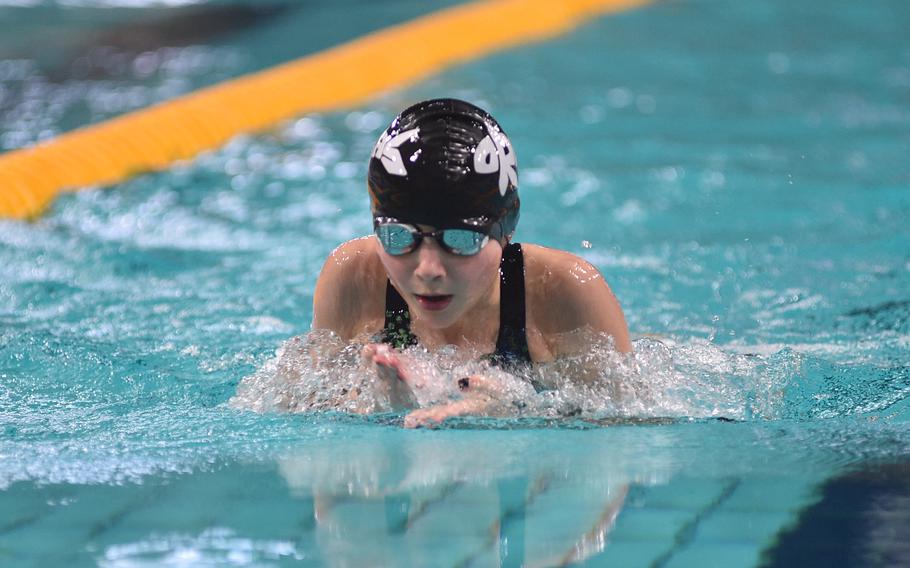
<point x="441" y="268"/>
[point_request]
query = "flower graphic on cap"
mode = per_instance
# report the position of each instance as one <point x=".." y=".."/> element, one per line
<point x="494" y="153"/>
<point x="387" y="152"/>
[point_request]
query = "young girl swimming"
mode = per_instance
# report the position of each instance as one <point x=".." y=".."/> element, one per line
<point x="440" y="268"/>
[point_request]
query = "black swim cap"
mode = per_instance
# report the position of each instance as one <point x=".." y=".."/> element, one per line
<point x="446" y="163"/>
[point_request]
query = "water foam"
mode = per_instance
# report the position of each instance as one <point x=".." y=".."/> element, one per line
<point x="662" y="379"/>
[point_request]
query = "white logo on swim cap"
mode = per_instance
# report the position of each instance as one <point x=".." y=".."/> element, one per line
<point x="494" y="153"/>
<point x="387" y="152"/>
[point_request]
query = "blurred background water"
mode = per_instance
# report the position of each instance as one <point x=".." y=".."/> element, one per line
<point x="736" y="170"/>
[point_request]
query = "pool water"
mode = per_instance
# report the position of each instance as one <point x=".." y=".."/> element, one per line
<point x="736" y="170"/>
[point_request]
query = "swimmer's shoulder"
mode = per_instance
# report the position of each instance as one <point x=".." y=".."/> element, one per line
<point x="353" y="261"/>
<point x="566" y="292"/>
<point x="350" y="291"/>
<point x="549" y="271"/>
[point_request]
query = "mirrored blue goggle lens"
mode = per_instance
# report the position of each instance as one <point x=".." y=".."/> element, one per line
<point x="395" y="239"/>
<point x="463" y="242"/>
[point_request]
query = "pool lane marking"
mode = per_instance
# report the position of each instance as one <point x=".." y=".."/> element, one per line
<point x="339" y="77"/>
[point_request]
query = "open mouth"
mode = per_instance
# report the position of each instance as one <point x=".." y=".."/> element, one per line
<point x="434" y="302"/>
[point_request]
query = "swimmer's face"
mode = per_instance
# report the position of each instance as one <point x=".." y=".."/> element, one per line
<point x="439" y="287"/>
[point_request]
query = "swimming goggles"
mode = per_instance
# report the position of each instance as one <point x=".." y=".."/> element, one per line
<point x="400" y="238"/>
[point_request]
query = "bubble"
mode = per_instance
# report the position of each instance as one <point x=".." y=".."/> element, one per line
<point x="364" y="121"/>
<point x="146" y="64"/>
<point x="537" y="177"/>
<point x="646" y="104"/>
<point x="591" y="114"/>
<point x="778" y="63"/>
<point x="305" y="128"/>
<point x="630" y="212"/>
<point x="345" y="170"/>
<point x="713" y="179"/>
<point x="619" y="97"/>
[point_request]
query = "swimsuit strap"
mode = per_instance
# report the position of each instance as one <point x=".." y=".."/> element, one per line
<point x="512" y="342"/>
<point x="397" y="328"/>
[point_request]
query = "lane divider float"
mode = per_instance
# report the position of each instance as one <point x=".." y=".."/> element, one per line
<point x="340" y="77"/>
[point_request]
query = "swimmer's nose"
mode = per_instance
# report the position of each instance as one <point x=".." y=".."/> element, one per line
<point x="430" y="261"/>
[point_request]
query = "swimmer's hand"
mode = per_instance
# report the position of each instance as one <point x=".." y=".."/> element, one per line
<point x="395" y="372"/>
<point x="480" y="397"/>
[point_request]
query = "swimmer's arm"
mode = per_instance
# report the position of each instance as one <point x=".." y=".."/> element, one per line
<point x="330" y="310"/>
<point x="437" y="414"/>
<point x="587" y="303"/>
<point x="599" y="310"/>
<point x="340" y="291"/>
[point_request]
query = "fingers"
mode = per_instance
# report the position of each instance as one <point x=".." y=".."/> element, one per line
<point x="368" y="352"/>
<point x="384" y="357"/>
<point x="387" y="358"/>
<point x="435" y="415"/>
<point x="372" y="351"/>
<point x="425" y="417"/>
<point x="390" y="359"/>
<point x="393" y="372"/>
<point x="405" y="380"/>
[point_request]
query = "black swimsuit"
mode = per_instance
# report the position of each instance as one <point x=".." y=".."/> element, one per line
<point x="512" y="342"/>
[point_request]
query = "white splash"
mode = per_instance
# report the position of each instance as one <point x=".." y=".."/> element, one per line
<point x="319" y="372"/>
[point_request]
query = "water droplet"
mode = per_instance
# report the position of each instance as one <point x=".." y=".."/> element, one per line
<point x="778" y="62"/>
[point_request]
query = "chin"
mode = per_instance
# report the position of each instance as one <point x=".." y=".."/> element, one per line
<point x="438" y="320"/>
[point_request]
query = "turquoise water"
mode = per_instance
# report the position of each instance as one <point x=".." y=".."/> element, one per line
<point x="736" y="170"/>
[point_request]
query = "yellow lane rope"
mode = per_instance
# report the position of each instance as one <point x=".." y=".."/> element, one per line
<point x="340" y="77"/>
